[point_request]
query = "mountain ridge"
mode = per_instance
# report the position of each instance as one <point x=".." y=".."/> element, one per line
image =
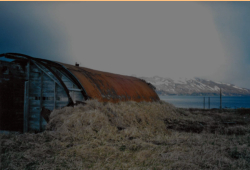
<point x="194" y="86"/>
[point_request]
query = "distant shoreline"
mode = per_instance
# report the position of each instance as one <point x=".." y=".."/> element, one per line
<point x="203" y="95"/>
<point x="207" y="101"/>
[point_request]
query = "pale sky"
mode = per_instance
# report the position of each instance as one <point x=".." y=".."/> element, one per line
<point x="168" y="39"/>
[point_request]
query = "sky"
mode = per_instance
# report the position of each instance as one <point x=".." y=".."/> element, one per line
<point x="169" y="39"/>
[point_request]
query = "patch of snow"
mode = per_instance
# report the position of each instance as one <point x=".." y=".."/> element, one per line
<point x="158" y="83"/>
<point x="218" y="82"/>
<point x="210" y="88"/>
<point x="179" y="80"/>
<point x="216" y="88"/>
<point x="237" y="87"/>
<point x="240" y="88"/>
<point x="201" y="86"/>
<point x="157" y="78"/>
<point x="172" y="90"/>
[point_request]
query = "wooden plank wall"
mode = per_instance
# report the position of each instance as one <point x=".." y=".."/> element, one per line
<point x="43" y="92"/>
<point x="34" y="98"/>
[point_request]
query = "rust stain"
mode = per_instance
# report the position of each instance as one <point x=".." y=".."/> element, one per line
<point x="109" y="87"/>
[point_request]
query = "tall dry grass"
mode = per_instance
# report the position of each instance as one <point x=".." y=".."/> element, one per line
<point x="130" y="135"/>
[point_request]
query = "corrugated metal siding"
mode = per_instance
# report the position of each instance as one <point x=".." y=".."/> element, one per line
<point x="108" y="87"/>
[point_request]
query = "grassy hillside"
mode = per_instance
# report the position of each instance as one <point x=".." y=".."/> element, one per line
<point x="131" y="135"/>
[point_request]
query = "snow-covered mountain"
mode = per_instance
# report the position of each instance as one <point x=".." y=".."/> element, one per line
<point x="195" y="86"/>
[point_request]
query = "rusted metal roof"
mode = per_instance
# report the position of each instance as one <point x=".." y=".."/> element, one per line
<point x="109" y="87"/>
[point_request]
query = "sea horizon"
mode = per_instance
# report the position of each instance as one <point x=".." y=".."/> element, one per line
<point x="187" y="101"/>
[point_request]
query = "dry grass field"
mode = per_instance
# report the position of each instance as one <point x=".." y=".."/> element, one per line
<point x="130" y="135"/>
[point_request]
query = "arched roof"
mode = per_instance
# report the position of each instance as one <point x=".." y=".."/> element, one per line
<point x="111" y="87"/>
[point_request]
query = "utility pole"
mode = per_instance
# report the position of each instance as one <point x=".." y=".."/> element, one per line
<point x="208" y="102"/>
<point x="220" y="99"/>
<point x="203" y="102"/>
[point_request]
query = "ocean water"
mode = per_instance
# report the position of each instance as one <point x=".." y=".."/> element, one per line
<point x="197" y="101"/>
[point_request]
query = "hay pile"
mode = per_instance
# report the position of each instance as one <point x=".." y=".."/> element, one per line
<point x="114" y="122"/>
<point x="126" y="135"/>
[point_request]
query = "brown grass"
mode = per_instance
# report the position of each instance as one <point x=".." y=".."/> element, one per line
<point x="131" y="135"/>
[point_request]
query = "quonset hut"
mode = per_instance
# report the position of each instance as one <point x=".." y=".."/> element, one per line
<point x="30" y="88"/>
